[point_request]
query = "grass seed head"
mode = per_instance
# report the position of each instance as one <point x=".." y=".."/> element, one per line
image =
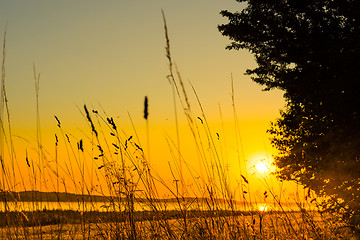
<point x="146" y="106"/>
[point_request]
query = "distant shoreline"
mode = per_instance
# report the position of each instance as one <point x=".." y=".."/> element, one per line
<point x="37" y="196"/>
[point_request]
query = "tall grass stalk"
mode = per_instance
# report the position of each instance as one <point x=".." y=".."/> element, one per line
<point x="38" y="132"/>
<point x="174" y="88"/>
<point x="2" y="130"/>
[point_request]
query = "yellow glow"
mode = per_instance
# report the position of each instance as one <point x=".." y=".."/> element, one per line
<point x="262" y="208"/>
<point x="98" y="76"/>
<point x="261" y="163"/>
<point x="262" y="167"/>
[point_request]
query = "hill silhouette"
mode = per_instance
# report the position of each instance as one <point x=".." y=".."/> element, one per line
<point x="37" y="196"/>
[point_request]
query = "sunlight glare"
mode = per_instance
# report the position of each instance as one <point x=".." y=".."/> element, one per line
<point x="262" y="167"/>
<point x="261" y="164"/>
<point x="262" y="208"/>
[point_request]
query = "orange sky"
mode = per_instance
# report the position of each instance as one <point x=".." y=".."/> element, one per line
<point x="111" y="55"/>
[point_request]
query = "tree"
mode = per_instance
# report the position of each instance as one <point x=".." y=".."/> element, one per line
<point x="310" y="49"/>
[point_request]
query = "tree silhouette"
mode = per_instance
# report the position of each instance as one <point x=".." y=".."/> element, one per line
<point x="310" y="49"/>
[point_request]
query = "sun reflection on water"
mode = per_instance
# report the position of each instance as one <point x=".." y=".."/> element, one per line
<point x="263" y="207"/>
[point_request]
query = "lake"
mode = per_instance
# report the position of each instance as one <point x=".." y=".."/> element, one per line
<point x="145" y="206"/>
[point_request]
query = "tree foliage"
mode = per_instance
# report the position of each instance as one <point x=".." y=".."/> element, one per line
<point x="310" y="49"/>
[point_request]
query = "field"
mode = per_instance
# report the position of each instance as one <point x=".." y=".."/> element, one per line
<point x="172" y="225"/>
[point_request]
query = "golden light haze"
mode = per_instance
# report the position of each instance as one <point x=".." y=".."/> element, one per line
<point x="111" y="55"/>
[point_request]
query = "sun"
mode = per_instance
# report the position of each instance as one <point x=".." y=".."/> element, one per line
<point x="262" y="167"/>
<point x="261" y="164"/>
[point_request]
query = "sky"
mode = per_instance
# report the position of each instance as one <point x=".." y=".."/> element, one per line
<point x="111" y="54"/>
